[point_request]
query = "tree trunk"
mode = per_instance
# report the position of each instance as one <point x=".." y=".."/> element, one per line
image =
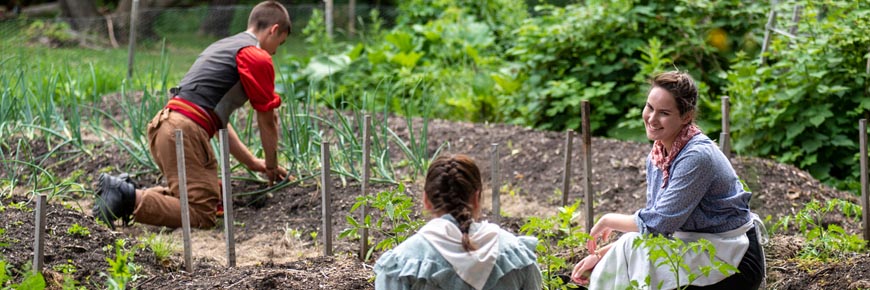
<point x="328" y="17"/>
<point x="149" y="11"/>
<point x="351" y="18"/>
<point x="82" y="14"/>
<point x="220" y="16"/>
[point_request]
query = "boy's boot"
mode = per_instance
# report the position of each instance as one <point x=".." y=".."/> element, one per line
<point x="117" y="197"/>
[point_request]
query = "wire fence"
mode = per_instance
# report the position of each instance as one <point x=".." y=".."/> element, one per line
<point x="195" y="25"/>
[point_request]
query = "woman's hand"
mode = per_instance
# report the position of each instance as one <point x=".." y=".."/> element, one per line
<point x="583" y="269"/>
<point x="599" y="230"/>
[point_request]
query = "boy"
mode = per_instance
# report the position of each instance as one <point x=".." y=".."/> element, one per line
<point x="228" y="73"/>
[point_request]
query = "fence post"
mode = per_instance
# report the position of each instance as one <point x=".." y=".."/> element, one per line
<point x="865" y="188"/>
<point x="868" y="62"/>
<point x="351" y="18"/>
<point x="725" y="136"/>
<point x="39" y="234"/>
<point x="131" y="53"/>
<point x="587" y="165"/>
<point x="229" y="231"/>
<point x="566" y="181"/>
<point x="795" y="17"/>
<point x="185" y="208"/>
<point x="328" y="17"/>
<point x="496" y="199"/>
<point x="366" y="148"/>
<point x="326" y="199"/>
<point x="771" y="24"/>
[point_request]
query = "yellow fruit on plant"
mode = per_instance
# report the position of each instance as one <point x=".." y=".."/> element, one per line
<point x="718" y="38"/>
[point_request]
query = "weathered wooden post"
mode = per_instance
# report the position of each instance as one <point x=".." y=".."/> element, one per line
<point x="326" y="199"/>
<point x="865" y="188"/>
<point x="587" y="165"/>
<point x="131" y="52"/>
<point x="496" y="199"/>
<point x="39" y="234"/>
<point x="795" y="17"/>
<point x="566" y="180"/>
<point x="328" y="17"/>
<point x="725" y="136"/>
<point x="771" y="24"/>
<point x="185" y="208"/>
<point x="868" y="63"/>
<point x="366" y="148"/>
<point x="227" y="198"/>
<point x="351" y="18"/>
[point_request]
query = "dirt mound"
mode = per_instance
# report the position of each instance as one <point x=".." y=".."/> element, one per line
<point x="276" y="247"/>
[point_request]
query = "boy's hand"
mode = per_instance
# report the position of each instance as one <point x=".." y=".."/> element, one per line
<point x="274" y="174"/>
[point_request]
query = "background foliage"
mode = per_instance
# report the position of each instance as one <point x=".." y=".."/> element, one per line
<point x="457" y="60"/>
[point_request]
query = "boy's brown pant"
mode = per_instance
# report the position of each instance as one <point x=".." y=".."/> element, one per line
<point x="161" y="205"/>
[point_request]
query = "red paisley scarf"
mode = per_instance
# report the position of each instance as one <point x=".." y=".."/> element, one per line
<point x="658" y="151"/>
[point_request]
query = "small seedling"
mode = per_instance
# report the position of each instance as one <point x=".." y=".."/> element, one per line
<point x="162" y="245"/>
<point x="121" y="270"/>
<point x="78" y="230"/>
<point x="67" y="270"/>
<point x="825" y="242"/>
<point x="394" y="221"/>
<point x="668" y="252"/>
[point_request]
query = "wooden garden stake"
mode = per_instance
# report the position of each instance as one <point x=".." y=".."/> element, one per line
<point x="351" y="18"/>
<point x="587" y="165"/>
<point x="328" y="16"/>
<point x="227" y="198"/>
<point x="364" y="241"/>
<point x="326" y="199"/>
<point x="39" y="234"/>
<point x="131" y="53"/>
<point x="725" y="136"/>
<point x="868" y="63"/>
<point x="771" y="24"/>
<point x="496" y="202"/>
<point x="566" y="180"/>
<point x="795" y="17"/>
<point x="185" y="208"/>
<point x="865" y="188"/>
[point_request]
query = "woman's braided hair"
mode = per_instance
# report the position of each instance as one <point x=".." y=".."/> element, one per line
<point x="451" y="183"/>
<point x="681" y="86"/>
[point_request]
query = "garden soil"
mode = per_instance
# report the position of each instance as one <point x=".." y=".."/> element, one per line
<point x="277" y="240"/>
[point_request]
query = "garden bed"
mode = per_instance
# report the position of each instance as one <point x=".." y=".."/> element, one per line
<point x="276" y="248"/>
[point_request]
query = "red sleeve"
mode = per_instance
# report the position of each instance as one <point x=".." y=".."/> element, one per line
<point x="257" y="75"/>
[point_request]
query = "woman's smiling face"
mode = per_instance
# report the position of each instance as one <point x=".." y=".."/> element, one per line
<point x="661" y="117"/>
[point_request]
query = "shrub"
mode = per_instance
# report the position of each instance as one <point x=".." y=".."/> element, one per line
<point x="802" y="107"/>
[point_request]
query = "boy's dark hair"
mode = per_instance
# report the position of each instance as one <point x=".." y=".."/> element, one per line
<point x="681" y="86"/>
<point x="269" y="13"/>
<point x="451" y="182"/>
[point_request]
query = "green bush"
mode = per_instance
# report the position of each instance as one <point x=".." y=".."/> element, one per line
<point x="803" y="106"/>
<point x="600" y="52"/>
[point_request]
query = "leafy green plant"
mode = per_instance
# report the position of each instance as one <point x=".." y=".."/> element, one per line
<point x="825" y="242"/>
<point x="78" y="230"/>
<point x="669" y="253"/>
<point x="3" y="242"/>
<point x="67" y="270"/>
<point x="393" y="220"/>
<point x="801" y="107"/>
<point x="30" y="279"/>
<point x="557" y="234"/>
<point x="602" y="51"/>
<point x="162" y="245"/>
<point x="121" y="269"/>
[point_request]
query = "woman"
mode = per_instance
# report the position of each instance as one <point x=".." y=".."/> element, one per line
<point x="692" y="193"/>
<point x="453" y="251"/>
